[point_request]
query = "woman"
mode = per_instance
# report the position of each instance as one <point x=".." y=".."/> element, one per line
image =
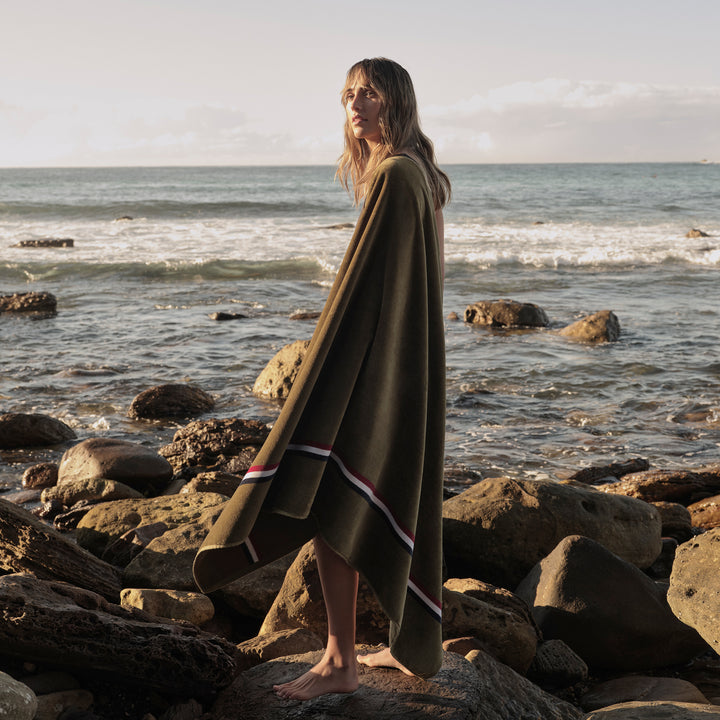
<point x="355" y="460"/>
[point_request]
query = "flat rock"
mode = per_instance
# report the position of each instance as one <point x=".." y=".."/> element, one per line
<point x="22" y="430"/>
<point x="46" y="243"/>
<point x="609" y="612"/>
<point x="99" y="489"/>
<point x="56" y="623"/>
<point x="226" y="445"/>
<point x="106" y="522"/>
<point x="505" y="314"/>
<point x="599" y="327"/>
<point x="655" y="711"/>
<point x="135" y="465"/>
<point x="173" y="400"/>
<point x="641" y="688"/>
<point x="270" y="646"/>
<point x="457" y="692"/>
<point x="680" y="486"/>
<point x="214" y="482"/>
<point x="29" y="545"/>
<point x="192" y="607"/>
<point x="694" y="593"/>
<point x="278" y="376"/>
<point x="498" y="529"/>
<point x="705" y="513"/>
<point x="591" y="475"/>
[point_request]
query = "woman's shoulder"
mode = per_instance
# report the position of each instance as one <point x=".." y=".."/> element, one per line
<point x="399" y="168"/>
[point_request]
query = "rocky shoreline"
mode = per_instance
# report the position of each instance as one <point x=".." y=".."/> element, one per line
<point x="594" y="597"/>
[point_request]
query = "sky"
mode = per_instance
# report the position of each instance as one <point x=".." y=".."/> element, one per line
<point x="233" y="82"/>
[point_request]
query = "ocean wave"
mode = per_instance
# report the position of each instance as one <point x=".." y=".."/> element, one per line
<point x="306" y="269"/>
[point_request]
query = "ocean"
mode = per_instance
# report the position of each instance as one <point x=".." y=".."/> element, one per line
<point x="158" y="250"/>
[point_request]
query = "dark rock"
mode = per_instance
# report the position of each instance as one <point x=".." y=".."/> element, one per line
<point x="609" y="612"/>
<point x="56" y="623"/>
<point x="176" y="400"/>
<point x="505" y="313"/>
<point x="499" y="528"/>
<point x="600" y="327"/>
<point x="29" y="545"/>
<point x="47" y="243"/>
<point x="656" y="710"/>
<point x="22" y="430"/>
<point x="676" y="521"/>
<point x="131" y="543"/>
<point x="42" y="475"/>
<point x="279" y="374"/>
<point x="224" y="316"/>
<point x="223" y="445"/>
<point x="33" y="302"/>
<point x="270" y="646"/>
<point x="641" y="688"/>
<point x="557" y="665"/>
<point x="592" y="475"/>
<point x="694" y="593"/>
<point x="135" y="465"/>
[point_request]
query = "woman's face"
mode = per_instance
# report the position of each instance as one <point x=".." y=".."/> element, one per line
<point x="362" y="105"/>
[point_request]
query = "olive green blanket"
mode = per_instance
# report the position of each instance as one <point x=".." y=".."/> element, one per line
<point x="356" y="454"/>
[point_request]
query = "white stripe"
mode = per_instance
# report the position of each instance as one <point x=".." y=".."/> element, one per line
<point x="259" y="473"/>
<point x="432" y="605"/>
<point x="314" y="450"/>
<point x="251" y="550"/>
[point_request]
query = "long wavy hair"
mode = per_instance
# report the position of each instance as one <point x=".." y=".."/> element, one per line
<point x="399" y="131"/>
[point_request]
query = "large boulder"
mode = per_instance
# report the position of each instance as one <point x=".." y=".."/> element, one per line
<point x="107" y="522"/>
<point x="500" y="622"/>
<point x="96" y="489"/>
<point x="461" y="690"/>
<point x="599" y="327"/>
<point x="173" y="400"/>
<point x="135" y="465"/>
<point x="33" y="302"/>
<point x="505" y="314"/>
<point x="223" y="445"/>
<point x="694" y="593"/>
<point x="637" y="688"/>
<point x="58" y="624"/>
<point x="609" y="612"/>
<point x="279" y="374"/>
<point x="679" y="486"/>
<point x="29" y="545"/>
<point x="23" y="430"/>
<point x="498" y="529"/>
<point x="17" y="700"/>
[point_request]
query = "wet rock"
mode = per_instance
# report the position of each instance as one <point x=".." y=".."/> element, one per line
<point x="279" y="374"/>
<point x="705" y="513"/>
<point x="56" y="623"/>
<point x="640" y="688"/>
<point x="225" y="316"/>
<point x="500" y="621"/>
<point x="557" y="665"/>
<point x="660" y="710"/>
<point x="176" y="400"/>
<point x="28" y="302"/>
<point x="302" y="315"/>
<point x="166" y="561"/>
<point x="17" y="701"/>
<point x="694" y="593"/>
<point x="193" y="607"/>
<point x="599" y="327"/>
<point x="505" y="313"/>
<point x="46" y="243"/>
<point x="42" y="475"/>
<point x="106" y="522"/>
<point x="695" y="233"/>
<point x="222" y="445"/>
<point x="98" y="489"/>
<point x="680" y="486"/>
<point x="135" y="465"/>
<point x="274" y="645"/>
<point x="498" y="529"/>
<point x="603" y="473"/>
<point x="29" y="545"/>
<point x="609" y="612"/>
<point x="22" y="430"/>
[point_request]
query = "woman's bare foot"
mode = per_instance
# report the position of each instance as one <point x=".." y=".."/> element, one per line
<point x="326" y="677"/>
<point x="382" y="658"/>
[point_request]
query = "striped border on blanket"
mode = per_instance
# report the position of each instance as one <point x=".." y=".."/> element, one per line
<point x="361" y="485"/>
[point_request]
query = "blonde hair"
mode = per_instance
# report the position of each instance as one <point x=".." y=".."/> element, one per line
<point x="399" y="130"/>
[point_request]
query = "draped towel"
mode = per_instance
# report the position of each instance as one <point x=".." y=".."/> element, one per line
<point x="356" y="454"/>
